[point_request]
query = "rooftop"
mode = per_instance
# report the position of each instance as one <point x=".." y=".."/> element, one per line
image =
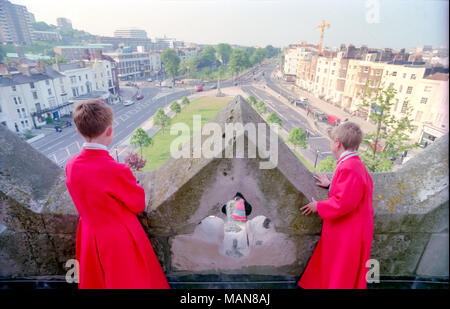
<point x="438" y="76"/>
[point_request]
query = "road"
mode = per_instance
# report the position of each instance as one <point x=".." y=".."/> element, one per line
<point x="257" y="82"/>
<point x="61" y="146"/>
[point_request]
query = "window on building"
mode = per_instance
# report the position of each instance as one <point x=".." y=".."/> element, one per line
<point x="82" y="89"/>
<point x="79" y="78"/>
<point x="20" y="100"/>
<point x="366" y="69"/>
<point x="35" y="96"/>
<point x="391" y="85"/>
<point x="86" y="77"/>
<point x="413" y="76"/>
<point x="400" y="89"/>
<point x="423" y="100"/>
<point x="409" y="90"/>
<point x="404" y="75"/>
<point x="325" y="71"/>
<point x="394" y="73"/>
<point x="32" y="85"/>
<point x="74" y="92"/>
<point x="73" y="79"/>
<point x="428" y="88"/>
<point x="318" y="70"/>
<point x="396" y="105"/>
<point x="404" y="107"/>
<point x="49" y="91"/>
<point x="378" y="72"/>
<point x="47" y="82"/>
<point x="418" y="116"/>
<point x="332" y="72"/>
<point x="15" y="100"/>
<point x="13" y="88"/>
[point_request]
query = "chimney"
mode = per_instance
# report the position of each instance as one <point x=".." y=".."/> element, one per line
<point x="24" y="69"/>
<point x="4" y="69"/>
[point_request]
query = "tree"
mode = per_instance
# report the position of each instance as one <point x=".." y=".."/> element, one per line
<point x="140" y="139"/>
<point x="223" y="52"/>
<point x="43" y="26"/>
<point x="238" y="61"/>
<point x="175" y="107"/>
<point x="251" y="99"/>
<point x="189" y="66"/>
<point x="185" y="100"/>
<point x="391" y="130"/>
<point x="258" y="56"/>
<point x="161" y="119"/>
<point x="327" y="165"/>
<point x="260" y="107"/>
<point x="298" y="137"/>
<point x="171" y="62"/>
<point x="273" y="118"/>
<point x="134" y="161"/>
<point x="271" y="51"/>
<point x="208" y="57"/>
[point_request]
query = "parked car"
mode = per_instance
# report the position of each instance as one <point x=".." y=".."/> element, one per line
<point x="149" y="80"/>
<point x="128" y="102"/>
<point x="321" y="116"/>
<point x="214" y="87"/>
<point x="302" y="104"/>
<point x="198" y="88"/>
<point x="129" y="84"/>
<point x="334" y="120"/>
<point x="139" y="97"/>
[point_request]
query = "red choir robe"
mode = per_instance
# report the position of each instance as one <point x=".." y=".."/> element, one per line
<point x="112" y="248"/>
<point x="339" y="260"/>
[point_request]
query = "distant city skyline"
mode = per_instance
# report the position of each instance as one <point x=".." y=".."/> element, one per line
<point x="375" y="23"/>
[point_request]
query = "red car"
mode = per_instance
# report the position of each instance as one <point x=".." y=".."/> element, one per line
<point x="139" y="97"/>
<point x="334" y="120"/>
<point x="198" y="88"/>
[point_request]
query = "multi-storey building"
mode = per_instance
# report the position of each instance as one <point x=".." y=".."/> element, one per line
<point x="155" y="63"/>
<point x="432" y="97"/>
<point x="29" y="96"/>
<point x="130" y="33"/>
<point x="64" y="23"/>
<point x="46" y="36"/>
<point x="132" y="65"/>
<point x="306" y="72"/>
<point x="15" y="24"/>
<point x="34" y="93"/>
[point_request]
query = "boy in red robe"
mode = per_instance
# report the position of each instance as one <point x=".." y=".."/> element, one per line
<point x="112" y="248"/>
<point x="339" y="260"/>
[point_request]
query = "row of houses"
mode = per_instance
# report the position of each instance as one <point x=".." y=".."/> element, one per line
<point x="33" y="93"/>
<point x="421" y="92"/>
<point x="131" y="65"/>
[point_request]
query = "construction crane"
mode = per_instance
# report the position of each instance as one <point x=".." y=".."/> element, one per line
<point x="322" y="26"/>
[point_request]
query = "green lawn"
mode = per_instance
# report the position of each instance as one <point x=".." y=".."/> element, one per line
<point x="159" y="152"/>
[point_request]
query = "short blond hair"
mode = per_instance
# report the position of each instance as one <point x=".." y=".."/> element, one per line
<point x="349" y="134"/>
<point x="92" y="117"/>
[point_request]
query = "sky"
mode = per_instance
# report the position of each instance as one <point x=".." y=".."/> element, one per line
<point x="375" y="23"/>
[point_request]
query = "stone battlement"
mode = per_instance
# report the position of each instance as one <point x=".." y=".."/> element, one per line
<point x="190" y="233"/>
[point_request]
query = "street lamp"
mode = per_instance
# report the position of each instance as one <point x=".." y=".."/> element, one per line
<point x="317" y="155"/>
<point x="117" y="155"/>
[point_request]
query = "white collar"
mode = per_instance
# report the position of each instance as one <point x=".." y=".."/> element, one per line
<point x="94" y="146"/>
<point x="345" y="153"/>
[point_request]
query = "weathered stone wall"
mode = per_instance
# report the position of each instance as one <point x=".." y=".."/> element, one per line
<point x="38" y="219"/>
